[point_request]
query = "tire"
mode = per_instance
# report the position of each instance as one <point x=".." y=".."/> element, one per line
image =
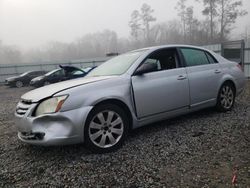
<point x="226" y="97"/>
<point x="46" y="83"/>
<point x="106" y="128"/>
<point x="19" y="84"/>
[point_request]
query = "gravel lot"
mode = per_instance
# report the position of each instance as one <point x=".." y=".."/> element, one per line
<point x="197" y="150"/>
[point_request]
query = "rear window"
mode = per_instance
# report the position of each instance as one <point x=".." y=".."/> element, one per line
<point x="211" y="58"/>
<point x="194" y="57"/>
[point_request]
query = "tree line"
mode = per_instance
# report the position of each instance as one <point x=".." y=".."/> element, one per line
<point x="215" y="26"/>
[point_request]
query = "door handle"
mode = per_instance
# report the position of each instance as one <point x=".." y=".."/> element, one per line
<point x="181" y="77"/>
<point x="217" y="71"/>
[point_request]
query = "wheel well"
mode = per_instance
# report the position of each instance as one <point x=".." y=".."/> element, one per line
<point x="121" y="105"/>
<point x="231" y="83"/>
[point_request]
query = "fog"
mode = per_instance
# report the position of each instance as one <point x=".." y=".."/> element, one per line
<point x="33" y="24"/>
<point x="29" y="23"/>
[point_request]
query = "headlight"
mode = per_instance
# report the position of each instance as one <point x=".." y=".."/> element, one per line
<point x="50" y="105"/>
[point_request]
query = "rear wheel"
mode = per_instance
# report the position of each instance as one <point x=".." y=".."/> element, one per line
<point x="19" y="84"/>
<point x="226" y="97"/>
<point x="106" y="128"/>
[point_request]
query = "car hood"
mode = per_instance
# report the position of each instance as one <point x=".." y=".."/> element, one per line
<point x="12" y="78"/>
<point x="47" y="91"/>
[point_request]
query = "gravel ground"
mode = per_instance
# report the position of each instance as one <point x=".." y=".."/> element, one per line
<point x="201" y="149"/>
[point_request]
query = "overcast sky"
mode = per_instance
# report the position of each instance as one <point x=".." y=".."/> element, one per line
<point x="33" y="23"/>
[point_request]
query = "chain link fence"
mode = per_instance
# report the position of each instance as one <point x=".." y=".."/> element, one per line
<point x="13" y="70"/>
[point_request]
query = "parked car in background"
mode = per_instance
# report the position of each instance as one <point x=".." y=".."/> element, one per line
<point x="23" y="79"/>
<point x="127" y="92"/>
<point x="57" y="75"/>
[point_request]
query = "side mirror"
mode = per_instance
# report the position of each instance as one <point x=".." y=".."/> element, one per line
<point x="145" y="68"/>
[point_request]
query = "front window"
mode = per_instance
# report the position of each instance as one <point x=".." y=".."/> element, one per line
<point x="117" y="65"/>
<point x="164" y="59"/>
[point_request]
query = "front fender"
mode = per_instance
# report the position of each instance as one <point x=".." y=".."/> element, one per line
<point x="93" y="93"/>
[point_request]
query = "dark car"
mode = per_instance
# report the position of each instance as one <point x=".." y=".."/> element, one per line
<point x="23" y="79"/>
<point x="88" y="69"/>
<point x="57" y="75"/>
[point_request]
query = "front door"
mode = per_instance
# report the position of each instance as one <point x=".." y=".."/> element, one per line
<point x="163" y="90"/>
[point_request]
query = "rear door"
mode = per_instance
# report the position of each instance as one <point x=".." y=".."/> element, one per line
<point x="163" y="90"/>
<point x="204" y="74"/>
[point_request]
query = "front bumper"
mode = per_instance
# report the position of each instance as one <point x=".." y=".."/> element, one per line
<point x="9" y="83"/>
<point x="60" y="128"/>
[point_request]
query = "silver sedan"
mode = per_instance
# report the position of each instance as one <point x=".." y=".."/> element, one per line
<point x="126" y="92"/>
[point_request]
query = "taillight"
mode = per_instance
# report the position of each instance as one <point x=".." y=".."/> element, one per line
<point x="240" y="67"/>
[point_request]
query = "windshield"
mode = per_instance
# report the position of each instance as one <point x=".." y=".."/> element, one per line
<point x="117" y="65"/>
<point x="77" y="72"/>
<point x="51" y="72"/>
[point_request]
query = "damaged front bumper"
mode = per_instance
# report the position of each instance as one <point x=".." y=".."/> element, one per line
<point x="59" y="128"/>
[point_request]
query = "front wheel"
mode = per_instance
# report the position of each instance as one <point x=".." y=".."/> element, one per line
<point x="226" y="97"/>
<point x="106" y="128"/>
<point x="19" y="84"/>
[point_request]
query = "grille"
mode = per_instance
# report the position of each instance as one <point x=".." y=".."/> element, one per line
<point x="22" y="107"/>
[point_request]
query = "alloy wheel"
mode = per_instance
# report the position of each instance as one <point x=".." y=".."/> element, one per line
<point x="106" y="129"/>
<point x="19" y="84"/>
<point x="227" y="97"/>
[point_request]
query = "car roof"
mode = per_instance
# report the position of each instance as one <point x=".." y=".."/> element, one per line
<point x="170" y="46"/>
<point x="69" y="68"/>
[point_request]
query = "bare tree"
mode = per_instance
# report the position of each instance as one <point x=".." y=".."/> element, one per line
<point x="181" y="8"/>
<point x="190" y="22"/>
<point x="147" y="18"/>
<point x="210" y="10"/>
<point x="229" y="11"/>
<point x="135" y="24"/>
<point x="167" y="33"/>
